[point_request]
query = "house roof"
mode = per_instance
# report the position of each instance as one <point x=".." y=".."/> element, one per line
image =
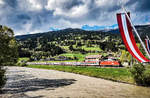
<point x="93" y="56"/>
<point x="91" y="61"/>
<point x="109" y="63"/>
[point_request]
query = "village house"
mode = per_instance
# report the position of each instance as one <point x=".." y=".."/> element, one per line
<point x="92" y="58"/>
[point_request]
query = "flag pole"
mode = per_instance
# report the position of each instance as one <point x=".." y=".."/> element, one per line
<point x="136" y="32"/>
<point x="147" y="37"/>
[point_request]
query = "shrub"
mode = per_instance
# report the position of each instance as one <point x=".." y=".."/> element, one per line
<point x="137" y="73"/>
<point x="146" y="77"/>
<point x="22" y="63"/>
<point x="2" y="78"/>
<point x="140" y="74"/>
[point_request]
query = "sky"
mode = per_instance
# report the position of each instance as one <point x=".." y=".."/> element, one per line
<point x="34" y="16"/>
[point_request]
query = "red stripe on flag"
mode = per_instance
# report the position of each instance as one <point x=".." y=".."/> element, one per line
<point x="146" y="44"/>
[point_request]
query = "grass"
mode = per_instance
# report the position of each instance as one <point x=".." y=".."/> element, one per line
<point x="2" y="78"/>
<point x="57" y="61"/>
<point x="114" y="74"/>
<point x="92" y="54"/>
<point x="81" y="57"/>
<point x="65" y="47"/>
<point x="96" y="48"/>
<point x="23" y="59"/>
<point x="78" y="55"/>
<point x="93" y="48"/>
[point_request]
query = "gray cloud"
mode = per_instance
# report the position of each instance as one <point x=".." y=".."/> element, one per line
<point x="144" y="5"/>
<point x="72" y="3"/>
<point x="32" y="16"/>
<point x="11" y="4"/>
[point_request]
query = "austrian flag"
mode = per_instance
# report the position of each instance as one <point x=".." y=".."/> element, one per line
<point x="128" y="38"/>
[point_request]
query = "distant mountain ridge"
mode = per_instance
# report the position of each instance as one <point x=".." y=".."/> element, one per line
<point x="65" y="31"/>
<point x="142" y="29"/>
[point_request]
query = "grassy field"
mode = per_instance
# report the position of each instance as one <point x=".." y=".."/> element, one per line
<point x="96" y="48"/>
<point x="81" y="57"/>
<point x="23" y="59"/>
<point x="65" y="47"/>
<point x="78" y="55"/>
<point x="57" y="61"/>
<point x="114" y="74"/>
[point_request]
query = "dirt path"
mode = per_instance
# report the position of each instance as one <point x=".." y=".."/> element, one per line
<point x="40" y="83"/>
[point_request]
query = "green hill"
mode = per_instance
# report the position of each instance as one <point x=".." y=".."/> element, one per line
<point x="72" y="41"/>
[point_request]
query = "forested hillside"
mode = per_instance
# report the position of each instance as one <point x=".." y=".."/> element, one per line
<point x="73" y="41"/>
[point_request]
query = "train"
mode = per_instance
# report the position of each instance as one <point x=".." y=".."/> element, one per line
<point x="104" y="63"/>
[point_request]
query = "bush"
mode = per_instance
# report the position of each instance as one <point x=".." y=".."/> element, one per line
<point x="22" y="63"/>
<point x="146" y="77"/>
<point x="2" y="78"/>
<point x="140" y="74"/>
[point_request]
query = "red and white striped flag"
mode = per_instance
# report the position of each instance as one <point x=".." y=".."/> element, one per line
<point x="128" y="38"/>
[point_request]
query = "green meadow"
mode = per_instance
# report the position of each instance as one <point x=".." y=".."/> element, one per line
<point x="114" y="74"/>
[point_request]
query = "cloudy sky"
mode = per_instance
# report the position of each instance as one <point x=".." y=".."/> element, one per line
<point x="33" y="16"/>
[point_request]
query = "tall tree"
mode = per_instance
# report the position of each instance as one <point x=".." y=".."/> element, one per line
<point x="8" y="46"/>
<point x="8" y="51"/>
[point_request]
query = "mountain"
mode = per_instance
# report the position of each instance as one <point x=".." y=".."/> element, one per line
<point x="54" y="43"/>
<point x="68" y="40"/>
<point x="142" y="29"/>
<point x="111" y="31"/>
<point x="60" y="33"/>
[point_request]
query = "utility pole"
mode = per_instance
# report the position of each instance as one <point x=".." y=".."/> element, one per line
<point x="131" y="61"/>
